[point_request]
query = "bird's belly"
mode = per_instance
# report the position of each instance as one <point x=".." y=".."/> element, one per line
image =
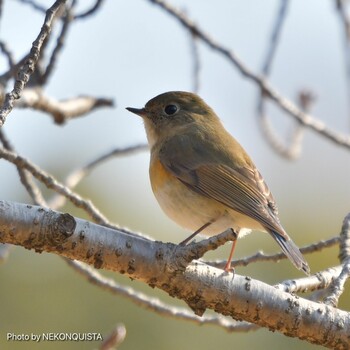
<point x="192" y="210"/>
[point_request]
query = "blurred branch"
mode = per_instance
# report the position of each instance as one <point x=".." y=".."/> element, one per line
<point x="6" y="51"/>
<point x="24" y="175"/>
<point x="67" y="20"/>
<point x="50" y="182"/>
<point x="196" y="65"/>
<point x="29" y="65"/>
<point x="114" y="339"/>
<point x="345" y="22"/>
<point x="160" y="265"/>
<point x="286" y="105"/>
<point x="34" y="5"/>
<point x="4" y="252"/>
<point x="61" y="110"/>
<point x="291" y="150"/>
<point x="77" y="175"/>
<point x="91" y="11"/>
<point x="96" y="6"/>
<point x="275" y="36"/>
<point x="1" y="8"/>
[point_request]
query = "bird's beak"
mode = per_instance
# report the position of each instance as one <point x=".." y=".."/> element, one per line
<point x="139" y="111"/>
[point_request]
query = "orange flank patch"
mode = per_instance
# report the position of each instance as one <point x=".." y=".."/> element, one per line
<point x="159" y="175"/>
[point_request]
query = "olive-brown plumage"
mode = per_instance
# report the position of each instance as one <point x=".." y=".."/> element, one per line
<point x="201" y="176"/>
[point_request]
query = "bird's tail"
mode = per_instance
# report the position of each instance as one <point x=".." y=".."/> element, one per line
<point x="290" y="249"/>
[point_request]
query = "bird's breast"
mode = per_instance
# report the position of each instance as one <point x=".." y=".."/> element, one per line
<point x="186" y="207"/>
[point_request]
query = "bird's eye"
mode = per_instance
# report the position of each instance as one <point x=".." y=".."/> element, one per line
<point x="170" y="109"/>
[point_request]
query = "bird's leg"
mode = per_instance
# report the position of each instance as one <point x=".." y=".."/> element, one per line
<point x="195" y="233"/>
<point x="228" y="267"/>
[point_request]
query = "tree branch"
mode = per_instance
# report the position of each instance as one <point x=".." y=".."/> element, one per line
<point x="30" y="63"/>
<point x="62" y="110"/>
<point x="160" y="265"/>
<point x="154" y="304"/>
<point x="304" y="118"/>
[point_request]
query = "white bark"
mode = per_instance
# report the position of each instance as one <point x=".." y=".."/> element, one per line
<point x="165" y="266"/>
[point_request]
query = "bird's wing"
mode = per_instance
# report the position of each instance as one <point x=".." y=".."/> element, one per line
<point x="240" y="187"/>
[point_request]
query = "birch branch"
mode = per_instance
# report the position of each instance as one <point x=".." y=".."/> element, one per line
<point x="165" y="266"/>
<point x="61" y="110"/>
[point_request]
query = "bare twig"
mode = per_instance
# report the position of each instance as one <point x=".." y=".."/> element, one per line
<point x="29" y="65"/>
<point x="26" y="179"/>
<point x="1" y="7"/>
<point x="196" y="65"/>
<point x="262" y="257"/>
<point x="293" y="148"/>
<point x="51" y="183"/>
<point x="286" y="105"/>
<point x="6" y="51"/>
<point x="34" y="5"/>
<point x="344" y="247"/>
<point x="337" y="287"/>
<point x="275" y="36"/>
<point x="77" y="175"/>
<point x="345" y="22"/>
<point x="91" y="11"/>
<point x="96" y="6"/>
<point x="320" y="280"/>
<point x="67" y="20"/>
<point x="332" y="279"/>
<point x="62" y="110"/>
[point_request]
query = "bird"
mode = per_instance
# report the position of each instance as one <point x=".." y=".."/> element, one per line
<point x="202" y="177"/>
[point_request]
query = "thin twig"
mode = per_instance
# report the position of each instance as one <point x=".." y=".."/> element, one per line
<point x="50" y="182"/>
<point x="77" y="175"/>
<point x="26" y="179"/>
<point x="6" y="51"/>
<point x="275" y="36"/>
<point x="30" y="63"/>
<point x="319" y="281"/>
<point x="34" y="5"/>
<point x="292" y="149"/>
<point x="90" y="11"/>
<point x="337" y="287"/>
<point x="67" y="20"/>
<point x="262" y="257"/>
<point x="1" y="7"/>
<point x="196" y="63"/>
<point x="286" y="105"/>
<point x="344" y="246"/>
<point x="61" y="110"/>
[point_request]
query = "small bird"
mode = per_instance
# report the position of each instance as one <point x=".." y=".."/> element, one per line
<point x="202" y="177"/>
